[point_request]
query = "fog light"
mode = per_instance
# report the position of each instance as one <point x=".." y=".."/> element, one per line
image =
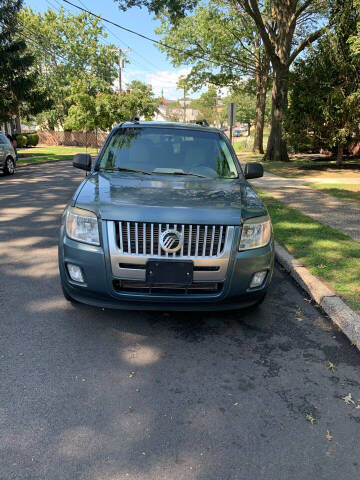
<point x="258" y="279"/>
<point x="75" y="273"/>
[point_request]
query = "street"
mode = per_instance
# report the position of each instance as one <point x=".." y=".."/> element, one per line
<point x="94" y="394"/>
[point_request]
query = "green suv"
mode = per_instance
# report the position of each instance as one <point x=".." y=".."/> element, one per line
<point x="166" y="219"/>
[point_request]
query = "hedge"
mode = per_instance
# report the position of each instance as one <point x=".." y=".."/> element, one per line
<point x="33" y="139"/>
<point x="21" y="141"/>
<point x="27" y="140"/>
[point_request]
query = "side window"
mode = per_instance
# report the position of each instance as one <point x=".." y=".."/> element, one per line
<point x="2" y="139"/>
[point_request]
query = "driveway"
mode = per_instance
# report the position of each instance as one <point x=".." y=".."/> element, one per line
<point x="96" y="394"/>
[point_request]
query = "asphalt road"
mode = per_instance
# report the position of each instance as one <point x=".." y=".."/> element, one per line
<point x="213" y="396"/>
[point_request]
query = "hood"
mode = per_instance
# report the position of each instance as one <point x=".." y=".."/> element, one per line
<point x="136" y="197"/>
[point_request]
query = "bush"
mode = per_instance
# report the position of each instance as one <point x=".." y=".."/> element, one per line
<point x="33" y="139"/>
<point x="22" y="141"/>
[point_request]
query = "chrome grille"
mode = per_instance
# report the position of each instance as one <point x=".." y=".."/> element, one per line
<point x="143" y="239"/>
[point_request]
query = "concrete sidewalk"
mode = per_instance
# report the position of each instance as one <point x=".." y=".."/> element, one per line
<point x="329" y="210"/>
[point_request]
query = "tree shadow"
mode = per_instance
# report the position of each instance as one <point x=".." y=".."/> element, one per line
<point x="96" y="394"/>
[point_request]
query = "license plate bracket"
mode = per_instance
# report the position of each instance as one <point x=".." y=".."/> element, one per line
<point x="169" y="272"/>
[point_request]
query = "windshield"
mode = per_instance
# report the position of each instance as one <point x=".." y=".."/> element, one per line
<point x="169" y="151"/>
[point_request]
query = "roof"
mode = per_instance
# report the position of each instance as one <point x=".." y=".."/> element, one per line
<point x="189" y="126"/>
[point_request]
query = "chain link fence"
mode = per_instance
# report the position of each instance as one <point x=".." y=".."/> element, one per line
<point x="75" y="139"/>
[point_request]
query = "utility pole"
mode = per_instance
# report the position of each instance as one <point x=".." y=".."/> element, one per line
<point x="121" y="64"/>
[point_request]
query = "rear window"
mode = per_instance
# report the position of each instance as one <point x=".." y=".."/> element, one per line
<point x="169" y="150"/>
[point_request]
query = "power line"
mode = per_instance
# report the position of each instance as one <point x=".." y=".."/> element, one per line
<point x="153" y="40"/>
<point x="54" y="53"/>
<point x="155" y="68"/>
<point x="233" y="61"/>
<point x="120" y="40"/>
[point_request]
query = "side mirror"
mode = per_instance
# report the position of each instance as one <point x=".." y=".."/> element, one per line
<point x="82" y="161"/>
<point x="253" y="170"/>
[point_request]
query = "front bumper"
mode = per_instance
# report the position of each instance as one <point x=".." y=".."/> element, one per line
<point x="99" y="290"/>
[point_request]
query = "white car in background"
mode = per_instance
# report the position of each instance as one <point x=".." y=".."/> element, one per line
<point x="7" y="156"/>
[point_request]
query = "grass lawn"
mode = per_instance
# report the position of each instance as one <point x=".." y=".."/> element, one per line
<point x="347" y="192"/>
<point x="294" y="168"/>
<point x="46" y="154"/>
<point x="328" y="254"/>
<point x="245" y="144"/>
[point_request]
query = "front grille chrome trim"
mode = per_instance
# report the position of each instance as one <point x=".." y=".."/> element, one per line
<point x="136" y="242"/>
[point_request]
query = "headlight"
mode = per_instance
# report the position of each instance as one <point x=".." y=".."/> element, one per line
<point x="255" y="233"/>
<point x="82" y="226"/>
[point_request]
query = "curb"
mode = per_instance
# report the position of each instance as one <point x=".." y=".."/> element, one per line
<point x="30" y="164"/>
<point x="343" y="316"/>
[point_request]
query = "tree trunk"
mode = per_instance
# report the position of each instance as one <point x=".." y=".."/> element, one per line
<point x="249" y="129"/>
<point x="339" y="153"/>
<point x="18" y="124"/>
<point x="262" y="80"/>
<point x="276" y="149"/>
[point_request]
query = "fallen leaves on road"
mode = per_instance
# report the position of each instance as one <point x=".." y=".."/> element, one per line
<point x="299" y="315"/>
<point x="132" y="374"/>
<point x="331" y="366"/>
<point x="348" y="399"/>
<point x="328" y="435"/>
<point x="309" y="417"/>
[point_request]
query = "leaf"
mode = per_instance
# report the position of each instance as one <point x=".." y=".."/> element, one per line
<point x="348" y="399"/>
<point x="331" y="366"/>
<point x="328" y="435"/>
<point x="299" y="315"/>
<point x="309" y="417"/>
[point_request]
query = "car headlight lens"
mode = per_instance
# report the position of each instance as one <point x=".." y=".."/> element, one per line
<point x="82" y="226"/>
<point x="256" y="233"/>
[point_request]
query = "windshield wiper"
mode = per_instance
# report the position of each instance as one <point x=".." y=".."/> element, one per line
<point x="124" y="169"/>
<point x="181" y="173"/>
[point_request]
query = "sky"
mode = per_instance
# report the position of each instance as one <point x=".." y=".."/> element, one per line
<point x="147" y="63"/>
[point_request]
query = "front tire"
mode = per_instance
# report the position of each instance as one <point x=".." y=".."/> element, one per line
<point x="9" y="166"/>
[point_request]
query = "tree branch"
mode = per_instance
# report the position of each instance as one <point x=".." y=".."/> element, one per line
<point x="247" y="66"/>
<point x="240" y="40"/>
<point x="302" y="8"/>
<point x="306" y="42"/>
<point x="251" y="7"/>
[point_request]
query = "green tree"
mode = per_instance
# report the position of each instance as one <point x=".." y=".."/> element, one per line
<point x="286" y="29"/>
<point x="18" y="78"/>
<point x="106" y="109"/>
<point x="208" y="106"/>
<point x="71" y="59"/>
<point x="245" y="111"/>
<point x="325" y="87"/>
<point x="140" y="101"/>
<point x="221" y="51"/>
